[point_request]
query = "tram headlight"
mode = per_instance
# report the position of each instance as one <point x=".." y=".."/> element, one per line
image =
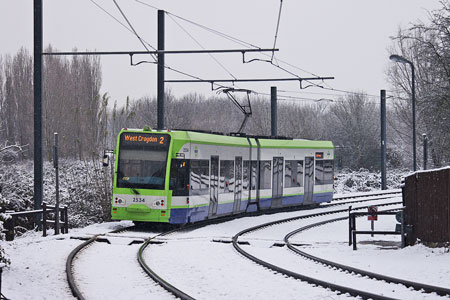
<point x="119" y="201"/>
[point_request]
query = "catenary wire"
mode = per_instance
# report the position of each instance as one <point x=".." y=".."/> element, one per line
<point x="132" y="28"/>
<point x="238" y="41"/>
<point x="117" y="20"/>
<point x="276" y="31"/>
<point x="243" y="43"/>
<point x="226" y="36"/>
<point x="201" y="46"/>
<point x="142" y="40"/>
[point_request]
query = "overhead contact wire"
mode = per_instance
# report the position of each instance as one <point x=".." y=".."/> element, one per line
<point x="226" y="36"/>
<point x="134" y="31"/>
<point x="240" y="42"/>
<point x="276" y="31"/>
<point x="201" y="46"/>
<point x="118" y="21"/>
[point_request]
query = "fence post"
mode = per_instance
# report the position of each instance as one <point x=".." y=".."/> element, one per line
<point x="9" y="225"/>
<point x="402" y="226"/>
<point x="55" y="165"/>
<point x="44" y="219"/>
<point x="66" y="219"/>
<point x="1" y="271"/>
<point x="350" y="226"/>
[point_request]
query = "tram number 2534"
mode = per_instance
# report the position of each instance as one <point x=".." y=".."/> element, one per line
<point x="138" y="200"/>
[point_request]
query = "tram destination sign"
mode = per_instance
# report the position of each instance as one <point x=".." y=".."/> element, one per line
<point x="144" y="139"/>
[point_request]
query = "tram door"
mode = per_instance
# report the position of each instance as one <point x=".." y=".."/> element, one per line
<point x="214" y="190"/>
<point x="277" y="182"/>
<point x="309" y="180"/>
<point x="238" y="184"/>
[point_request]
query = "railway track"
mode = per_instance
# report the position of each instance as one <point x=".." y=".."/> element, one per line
<point x="299" y="273"/>
<point x="410" y="284"/>
<point x="159" y="238"/>
<point x="182" y="295"/>
<point x="104" y="267"/>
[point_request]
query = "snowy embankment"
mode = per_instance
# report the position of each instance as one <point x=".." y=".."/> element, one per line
<point x="207" y="269"/>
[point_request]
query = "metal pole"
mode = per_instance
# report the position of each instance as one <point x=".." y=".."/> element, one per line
<point x="55" y="164"/>
<point x="160" y="100"/>
<point x="273" y="110"/>
<point x="425" y="150"/>
<point x="383" y="139"/>
<point x="414" y="115"/>
<point x="37" y="83"/>
<point x="372" y="226"/>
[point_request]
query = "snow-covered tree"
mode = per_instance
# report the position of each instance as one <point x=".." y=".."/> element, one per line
<point x="427" y="46"/>
<point x="3" y="257"/>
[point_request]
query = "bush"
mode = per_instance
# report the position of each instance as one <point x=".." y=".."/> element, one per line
<point x="85" y="188"/>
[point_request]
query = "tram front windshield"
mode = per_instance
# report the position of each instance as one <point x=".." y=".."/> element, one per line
<point x="142" y="166"/>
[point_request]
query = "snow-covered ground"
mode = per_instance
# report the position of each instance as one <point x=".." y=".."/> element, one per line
<point x="205" y="269"/>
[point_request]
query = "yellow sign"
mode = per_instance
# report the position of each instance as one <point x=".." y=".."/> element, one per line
<point x="144" y="139"/>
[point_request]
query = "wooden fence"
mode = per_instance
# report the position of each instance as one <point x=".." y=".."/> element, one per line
<point x="426" y="195"/>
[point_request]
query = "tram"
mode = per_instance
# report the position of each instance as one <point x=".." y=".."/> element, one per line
<point x="178" y="176"/>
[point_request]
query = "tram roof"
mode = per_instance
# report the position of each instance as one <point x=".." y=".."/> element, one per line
<point x="238" y="141"/>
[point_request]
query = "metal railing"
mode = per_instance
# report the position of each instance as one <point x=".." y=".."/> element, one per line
<point x="352" y="232"/>
<point x="45" y="212"/>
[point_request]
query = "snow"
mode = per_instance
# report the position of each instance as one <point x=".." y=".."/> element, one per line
<point x="205" y="269"/>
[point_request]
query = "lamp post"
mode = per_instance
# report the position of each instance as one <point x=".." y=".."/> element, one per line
<point x="400" y="59"/>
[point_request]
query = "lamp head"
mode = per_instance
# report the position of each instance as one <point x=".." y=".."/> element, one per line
<point x="399" y="59"/>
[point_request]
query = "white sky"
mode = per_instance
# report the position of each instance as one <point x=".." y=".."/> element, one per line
<point x="347" y="39"/>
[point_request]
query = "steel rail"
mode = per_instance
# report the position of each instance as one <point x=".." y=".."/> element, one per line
<point x="368" y="195"/>
<point x="70" y="259"/>
<point x="315" y="281"/>
<point x="335" y="203"/>
<point x="69" y="262"/>
<point x="415" y="285"/>
<point x="165" y="284"/>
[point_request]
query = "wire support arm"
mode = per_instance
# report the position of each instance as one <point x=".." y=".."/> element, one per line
<point x="204" y="51"/>
<point x="233" y="81"/>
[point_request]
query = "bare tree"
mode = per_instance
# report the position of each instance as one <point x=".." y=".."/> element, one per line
<point x="427" y="46"/>
<point x="355" y="131"/>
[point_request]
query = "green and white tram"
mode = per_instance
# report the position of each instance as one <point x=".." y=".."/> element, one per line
<point x="185" y="176"/>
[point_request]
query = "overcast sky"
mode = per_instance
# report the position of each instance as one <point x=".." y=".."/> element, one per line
<point x="345" y="39"/>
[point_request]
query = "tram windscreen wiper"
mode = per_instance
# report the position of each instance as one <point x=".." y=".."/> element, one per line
<point x="128" y="184"/>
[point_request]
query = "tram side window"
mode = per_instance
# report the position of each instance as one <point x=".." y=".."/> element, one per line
<point x="254" y="175"/>
<point x="245" y="175"/>
<point x="319" y="172"/>
<point x="265" y="180"/>
<point x="299" y="173"/>
<point x="328" y="171"/>
<point x="324" y="172"/>
<point x="227" y="176"/>
<point x="179" y="177"/>
<point x="199" y="177"/>
<point x="293" y="173"/>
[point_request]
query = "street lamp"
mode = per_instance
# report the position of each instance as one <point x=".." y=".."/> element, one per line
<point x="400" y="59"/>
